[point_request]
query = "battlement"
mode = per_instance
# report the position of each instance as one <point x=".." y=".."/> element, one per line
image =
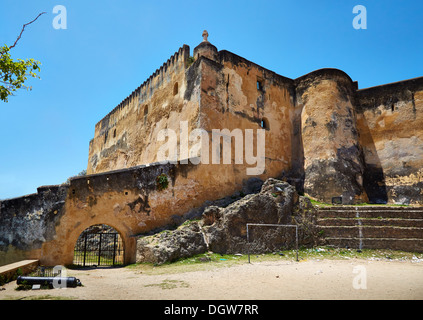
<point x="324" y="73"/>
<point x="237" y="60"/>
<point x="389" y="94"/>
<point x="176" y="63"/>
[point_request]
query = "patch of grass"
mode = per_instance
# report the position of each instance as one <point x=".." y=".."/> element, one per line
<point x="326" y="252"/>
<point x="41" y="297"/>
<point x="205" y="261"/>
<point x="91" y="259"/>
<point x="27" y="287"/>
<point x="169" y="284"/>
<point x="5" y="278"/>
<point x="210" y="261"/>
<point x="319" y="204"/>
<point x="188" y="222"/>
<point x="379" y="205"/>
<point x="322" y="204"/>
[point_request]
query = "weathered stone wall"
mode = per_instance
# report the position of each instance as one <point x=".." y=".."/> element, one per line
<point x="322" y="134"/>
<point x="254" y="97"/>
<point x="127" y="136"/>
<point x="212" y="94"/>
<point x="46" y="225"/>
<point x="27" y="222"/>
<point x="220" y="90"/>
<point x="390" y="122"/>
<point x="333" y="161"/>
<point x="232" y="100"/>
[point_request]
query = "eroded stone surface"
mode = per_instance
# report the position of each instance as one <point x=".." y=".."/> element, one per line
<point x="224" y="229"/>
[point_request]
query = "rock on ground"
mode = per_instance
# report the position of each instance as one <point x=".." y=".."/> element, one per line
<point x="168" y="246"/>
<point x="224" y="229"/>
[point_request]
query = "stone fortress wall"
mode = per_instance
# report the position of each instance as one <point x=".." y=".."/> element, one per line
<point x="390" y="122"/>
<point x="322" y="132"/>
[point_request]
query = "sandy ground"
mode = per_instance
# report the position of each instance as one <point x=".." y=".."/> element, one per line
<point x="270" y="280"/>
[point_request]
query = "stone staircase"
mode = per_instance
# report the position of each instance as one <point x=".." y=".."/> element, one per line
<point x="372" y="227"/>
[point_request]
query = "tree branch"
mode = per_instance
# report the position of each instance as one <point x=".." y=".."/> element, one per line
<point x="23" y="28"/>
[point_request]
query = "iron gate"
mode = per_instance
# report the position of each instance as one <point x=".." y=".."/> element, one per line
<point x="98" y="249"/>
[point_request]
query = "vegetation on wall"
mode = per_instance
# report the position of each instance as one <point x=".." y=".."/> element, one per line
<point x="162" y="182"/>
<point x="5" y="278"/>
<point x="190" y="61"/>
<point x="83" y="173"/>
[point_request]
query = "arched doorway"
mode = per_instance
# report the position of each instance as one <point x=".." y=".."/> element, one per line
<point x="99" y="245"/>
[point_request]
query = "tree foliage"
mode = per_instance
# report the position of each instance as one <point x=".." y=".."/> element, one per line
<point x="14" y="73"/>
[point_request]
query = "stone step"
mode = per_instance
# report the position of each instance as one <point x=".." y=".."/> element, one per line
<point x="410" y="245"/>
<point x="372" y="227"/>
<point x="371" y="232"/>
<point x="384" y="214"/>
<point x="367" y="208"/>
<point x="389" y="222"/>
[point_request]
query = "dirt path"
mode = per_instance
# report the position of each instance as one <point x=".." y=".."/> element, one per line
<point x="273" y="280"/>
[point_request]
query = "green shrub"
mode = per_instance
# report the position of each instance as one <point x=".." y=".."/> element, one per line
<point x="162" y="182"/>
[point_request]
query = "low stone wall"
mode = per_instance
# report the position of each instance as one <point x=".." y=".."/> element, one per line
<point x="11" y="271"/>
<point x="46" y="225"/>
<point x="27" y="222"/>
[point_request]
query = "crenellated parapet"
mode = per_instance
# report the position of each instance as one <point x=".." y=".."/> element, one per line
<point x="389" y="94"/>
<point x="175" y="64"/>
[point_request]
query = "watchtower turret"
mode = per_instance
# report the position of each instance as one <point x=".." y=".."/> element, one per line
<point x="205" y="48"/>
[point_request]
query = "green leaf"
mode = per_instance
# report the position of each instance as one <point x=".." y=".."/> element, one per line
<point x="15" y="73"/>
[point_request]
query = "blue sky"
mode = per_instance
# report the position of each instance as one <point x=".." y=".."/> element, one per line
<point x="110" y="47"/>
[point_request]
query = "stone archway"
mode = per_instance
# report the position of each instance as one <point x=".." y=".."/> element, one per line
<point x="99" y="245"/>
<point x="61" y="250"/>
